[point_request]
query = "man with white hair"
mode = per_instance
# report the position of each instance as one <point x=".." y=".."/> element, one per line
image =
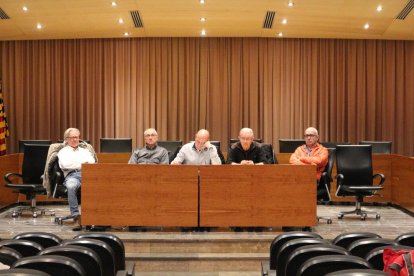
<point x="311" y="153"/>
<point x="151" y="153"/>
<point x="246" y="151"/>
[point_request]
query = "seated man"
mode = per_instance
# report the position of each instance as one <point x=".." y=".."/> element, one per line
<point x="151" y="153"/>
<point x="312" y="153"/>
<point x="199" y="152"/>
<point x="71" y="157"/>
<point x="246" y="151"/>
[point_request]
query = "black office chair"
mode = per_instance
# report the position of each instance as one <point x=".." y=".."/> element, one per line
<point x="43" y="238"/>
<point x="25" y="248"/>
<point x="34" y="161"/>
<point x="333" y="145"/>
<point x="362" y="247"/>
<point x="355" y="177"/>
<point x="406" y="239"/>
<point x="358" y="272"/>
<point x="32" y="142"/>
<point x="269" y="152"/>
<point x="86" y="257"/>
<point x="116" y="144"/>
<point x="290" y="145"/>
<point x="345" y="239"/>
<point x="375" y="256"/>
<point x="304" y="253"/>
<point x="52" y="264"/>
<point x="324" y="185"/>
<point x="217" y="144"/>
<point x="323" y="265"/>
<point x="171" y="147"/>
<point x="9" y="256"/>
<point x="379" y="146"/>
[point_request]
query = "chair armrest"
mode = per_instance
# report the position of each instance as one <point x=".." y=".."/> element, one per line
<point x="8" y="175"/>
<point x="381" y="176"/>
<point x="339" y="179"/>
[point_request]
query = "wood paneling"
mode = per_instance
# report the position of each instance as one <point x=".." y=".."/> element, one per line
<point x="269" y="195"/>
<point x="8" y="163"/>
<point x="403" y="181"/>
<point x="141" y="195"/>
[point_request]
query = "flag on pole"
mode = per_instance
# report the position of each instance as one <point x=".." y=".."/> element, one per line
<point x="4" y="129"/>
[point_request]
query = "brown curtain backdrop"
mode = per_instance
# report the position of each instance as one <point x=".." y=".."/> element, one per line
<point x="351" y="90"/>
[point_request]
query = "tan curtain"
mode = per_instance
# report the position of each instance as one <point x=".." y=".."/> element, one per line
<point x="351" y="90"/>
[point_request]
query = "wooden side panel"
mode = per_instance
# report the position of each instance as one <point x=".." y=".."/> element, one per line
<point x="140" y="195"/>
<point x="269" y="195"/>
<point x="121" y="157"/>
<point x="403" y="181"/>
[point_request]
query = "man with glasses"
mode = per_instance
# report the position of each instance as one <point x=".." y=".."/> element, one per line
<point x="246" y="151"/>
<point x="199" y="152"/>
<point x="71" y="157"/>
<point x="311" y="153"/>
<point x="151" y="153"/>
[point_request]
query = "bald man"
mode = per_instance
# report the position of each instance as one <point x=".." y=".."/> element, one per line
<point x="311" y="153"/>
<point x="199" y="152"/>
<point x="246" y="151"/>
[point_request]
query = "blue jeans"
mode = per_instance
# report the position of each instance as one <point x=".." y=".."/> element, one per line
<point x="73" y="184"/>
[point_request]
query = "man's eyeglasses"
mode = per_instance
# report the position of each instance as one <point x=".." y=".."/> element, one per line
<point x="309" y="135"/>
<point x="150" y="135"/>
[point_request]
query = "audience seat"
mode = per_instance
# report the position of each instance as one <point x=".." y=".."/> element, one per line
<point x="9" y="256"/>
<point x="375" y="258"/>
<point x="345" y="239"/>
<point x="52" y="264"/>
<point x="323" y="265"/>
<point x="406" y="239"/>
<point x="25" y="248"/>
<point x="43" y="238"/>
<point x="362" y="247"/>
<point x="23" y="272"/>
<point x="358" y="272"/>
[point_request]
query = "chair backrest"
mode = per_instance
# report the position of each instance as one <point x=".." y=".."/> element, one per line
<point x="281" y="239"/>
<point x="354" y="162"/>
<point x="114" y="242"/>
<point x="304" y="253"/>
<point x="52" y="264"/>
<point x="217" y="144"/>
<point x="23" y="272"/>
<point x="8" y="255"/>
<point x="101" y="248"/>
<point x="43" y="238"/>
<point x="86" y="257"/>
<point x="323" y="265"/>
<point x="171" y="147"/>
<point x="22" y="143"/>
<point x="345" y="239"/>
<point x="362" y="247"/>
<point x="24" y="247"/>
<point x="379" y="146"/>
<point x="375" y="256"/>
<point x="324" y="184"/>
<point x="289" y="145"/>
<point x="34" y="160"/>
<point x="358" y="272"/>
<point x="406" y="239"/>
<point x="289" y="247"/>
<point x="333" y="144"/>
<point x="269" y="152"/>
<point x="116" y="144"/>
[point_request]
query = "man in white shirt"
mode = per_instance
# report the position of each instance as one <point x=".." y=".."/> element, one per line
<point x="71" y="157"/>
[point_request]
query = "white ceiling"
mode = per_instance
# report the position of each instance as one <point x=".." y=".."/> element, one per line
<point x="225" y="18"/>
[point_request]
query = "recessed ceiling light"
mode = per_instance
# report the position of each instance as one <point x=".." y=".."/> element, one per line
<point x="379" y="8"/>
<point x="203" y="19"/>
<point x="113" y="3"/>
<point x="280" y="34"/>
<point x="201" y="1"/>
<point x="39" y="26"/>
<point x="25" y="9"/>
<point x="284" y="21"/>
<point x="366" y="26"/>
<point x="126" y="34"/>
<point x="120" y="21"/>
<point x="203" y="32"/>
<point x="291" y="4"/>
